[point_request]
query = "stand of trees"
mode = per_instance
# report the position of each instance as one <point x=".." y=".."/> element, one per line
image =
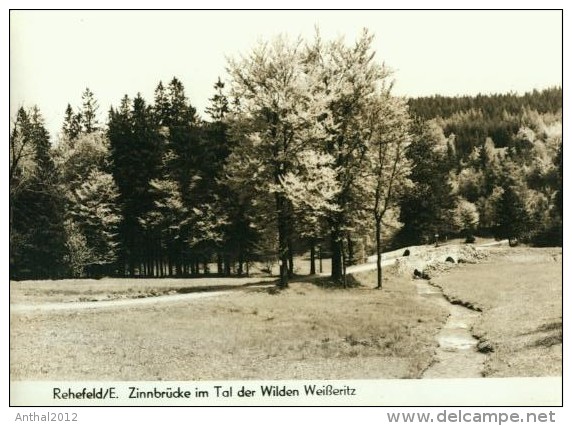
<point x="496" y="165"/>
<point x="305" y="146"/>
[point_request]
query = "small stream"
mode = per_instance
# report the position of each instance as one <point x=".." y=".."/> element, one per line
<point x="457" y="355"/>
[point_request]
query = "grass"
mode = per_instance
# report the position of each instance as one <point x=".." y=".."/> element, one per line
<point x="312" y="330"/>
<point x="304" y="332"/>
<point x="519" y="291"/>
<point x="81" y="290"/>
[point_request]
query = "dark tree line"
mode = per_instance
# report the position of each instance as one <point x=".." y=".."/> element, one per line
<point x="474" y="118"/>
<point x="492" y="106"/>
<point x="36" y="208"/>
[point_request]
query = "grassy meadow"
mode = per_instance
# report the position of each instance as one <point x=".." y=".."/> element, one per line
<point x="309" y="331"/>
<point x="304" y="332"/>
<point x="519" y="291"/>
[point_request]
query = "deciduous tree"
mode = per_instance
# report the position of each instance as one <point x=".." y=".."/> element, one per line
<point x="274" y="113"/>
<point x="386" y="164"/>
<point x="346" y="81"/>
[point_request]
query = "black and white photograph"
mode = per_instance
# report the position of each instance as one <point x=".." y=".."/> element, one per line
<point x="291" y="202"/>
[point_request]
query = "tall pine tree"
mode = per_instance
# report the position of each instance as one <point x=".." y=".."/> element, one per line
<point x="89" y="109"/>
<point x="37" y="207"/>
<point x="425" y="209"/>
<point x="135" y="147"/>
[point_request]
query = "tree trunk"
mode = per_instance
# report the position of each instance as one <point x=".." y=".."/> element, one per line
<point x="240" y="263"/>
<point x="121" y="269"/>
<point x="219" y="268"/>
<point x="336" y="258"/>
<point x="282" y="240"/>
<point x="378" y="252"/>
<point x="290" y="259"/>
<point x="312" y="257"/>
<point x="156" y="257"/>
<point x="159" y="260"/>
<point x="131" y="265"/>
<point x="351" y="254"/>
<point x="344" y="264"/>
<point x="227" y="265"/>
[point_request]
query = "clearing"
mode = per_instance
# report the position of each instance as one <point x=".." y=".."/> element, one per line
<point x="224" y="329"/>
<point x="304" y="332"/>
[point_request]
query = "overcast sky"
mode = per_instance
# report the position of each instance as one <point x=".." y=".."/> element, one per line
<point x="55" y="55"/>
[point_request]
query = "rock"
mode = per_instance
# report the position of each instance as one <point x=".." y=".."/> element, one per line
<point x="406" y="252"/>
<point x="450" y="259"/>
<point x="421" y="274"/>
<point x="485" y="347"/>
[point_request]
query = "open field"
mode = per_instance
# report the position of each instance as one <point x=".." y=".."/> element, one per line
<point x="519" y="291"/>
<point x="306" y="331"/>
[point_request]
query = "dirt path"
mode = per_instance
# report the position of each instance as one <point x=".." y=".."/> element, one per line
<point x="369" y="266"/>
<point x="457" y="355"/>
<point x="122" y="303"/>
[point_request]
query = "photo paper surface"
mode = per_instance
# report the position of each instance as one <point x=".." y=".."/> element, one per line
<point x="286" y="208"/>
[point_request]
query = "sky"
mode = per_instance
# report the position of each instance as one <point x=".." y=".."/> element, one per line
<point x="55" y="55"/>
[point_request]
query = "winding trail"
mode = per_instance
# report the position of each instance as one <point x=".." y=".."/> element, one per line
<point x="123" y="303"/>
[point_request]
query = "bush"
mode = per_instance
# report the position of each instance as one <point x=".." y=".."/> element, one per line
<point x="551" y="237"/>
<point x="78" y="255"/>
<point x="470" y="239"/>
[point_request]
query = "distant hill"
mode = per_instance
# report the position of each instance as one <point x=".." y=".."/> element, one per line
<point x="473" y="119"/>
<point x="544" y="101"/>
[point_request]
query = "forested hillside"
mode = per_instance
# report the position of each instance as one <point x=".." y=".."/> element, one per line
<point x="500" y="156"/>
<point x="303" y="147"/>
<point x="498" y="116"/>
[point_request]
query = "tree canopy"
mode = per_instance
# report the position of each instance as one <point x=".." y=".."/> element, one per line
<point x="304" y="146"/>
